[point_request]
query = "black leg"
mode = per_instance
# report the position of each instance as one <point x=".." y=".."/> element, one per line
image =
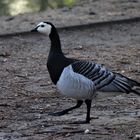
<point x="88" y="103"/>
<point x="63" y="112"/>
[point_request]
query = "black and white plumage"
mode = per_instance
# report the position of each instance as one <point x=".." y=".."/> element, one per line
<point x="80" y="79"/>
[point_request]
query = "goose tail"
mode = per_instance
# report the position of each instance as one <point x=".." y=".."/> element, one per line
<point x="122" y="83"/>
<point x="135" y="92"/>
<point x="135" y="85"/>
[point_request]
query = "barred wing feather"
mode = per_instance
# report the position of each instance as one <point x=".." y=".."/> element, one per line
<point x="103" y="79"/>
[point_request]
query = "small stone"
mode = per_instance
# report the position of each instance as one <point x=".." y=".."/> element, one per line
<point x="86" y="131"/>
<point x="48" y="105"/>
<point x="92" y="13"/>
<point x="122" y="71"/>
<point x="42" y="126"/>
<point x="5" y="60"/>
<point x="36" y="99"/>
<point x="80" y="47"/>
<point x="48" y="82"/>
<point x="67" y="135"/>
<point x="16" y="95"/>
<point x="38" y="116"/>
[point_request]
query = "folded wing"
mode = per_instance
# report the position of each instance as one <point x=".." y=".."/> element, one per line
<point x="103" y="79"/>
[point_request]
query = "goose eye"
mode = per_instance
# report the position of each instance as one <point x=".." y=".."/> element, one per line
<point x="42" y="26"/>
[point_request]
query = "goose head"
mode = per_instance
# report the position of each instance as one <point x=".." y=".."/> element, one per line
<point x="44" y="28"/>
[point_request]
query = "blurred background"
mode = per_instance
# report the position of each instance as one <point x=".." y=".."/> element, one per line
<point x="14" y="7"/>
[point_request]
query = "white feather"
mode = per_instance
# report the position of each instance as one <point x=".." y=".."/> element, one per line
<point x="75" y="85"/>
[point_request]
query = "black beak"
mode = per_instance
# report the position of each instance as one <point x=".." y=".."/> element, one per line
<point x="34" y="30"/>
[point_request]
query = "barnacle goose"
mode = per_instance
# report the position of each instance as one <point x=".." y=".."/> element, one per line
<point x="80" y="79"/>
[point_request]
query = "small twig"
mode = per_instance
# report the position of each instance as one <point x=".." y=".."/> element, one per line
<point x="22" y="76"/>
<point x="4" y="54"/>
<point x="4" y="105"/>
<point x="99" y="133"/>
<point x="60" y="132"/>
<point x="73" y="132"/>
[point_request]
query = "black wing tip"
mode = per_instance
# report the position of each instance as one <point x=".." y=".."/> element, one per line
<point x="135" y="92"/>
<point x="133" y="82"/>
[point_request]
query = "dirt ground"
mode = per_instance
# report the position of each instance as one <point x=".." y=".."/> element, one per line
<point x="27" y="94"/>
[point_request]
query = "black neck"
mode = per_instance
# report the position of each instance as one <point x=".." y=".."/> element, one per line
<point x="55" y="41"/>
<point x="56" y="59"/>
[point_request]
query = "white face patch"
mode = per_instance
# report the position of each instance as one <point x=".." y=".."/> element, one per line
<point x="44" y="28"/>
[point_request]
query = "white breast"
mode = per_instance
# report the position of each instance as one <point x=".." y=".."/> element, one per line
<point x="75" y="85"/>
